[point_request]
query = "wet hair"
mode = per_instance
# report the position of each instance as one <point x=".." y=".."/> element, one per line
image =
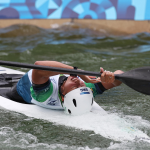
<point x="60" y="83"/>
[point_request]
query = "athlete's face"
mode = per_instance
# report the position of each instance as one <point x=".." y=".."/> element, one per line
<point x="72" y="83"/>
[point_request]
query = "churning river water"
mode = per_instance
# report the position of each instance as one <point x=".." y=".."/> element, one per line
<point x="89" y="50"/>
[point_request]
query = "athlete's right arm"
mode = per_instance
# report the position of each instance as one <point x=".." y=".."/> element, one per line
<point x="42" y="76"/>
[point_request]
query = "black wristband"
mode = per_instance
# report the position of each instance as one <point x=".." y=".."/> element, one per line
<point x="74" y="74"/>
<point x="100" y="85"/>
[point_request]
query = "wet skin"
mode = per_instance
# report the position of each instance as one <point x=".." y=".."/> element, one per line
<point x="71" y="83"/>
<point x="107" y="79"/>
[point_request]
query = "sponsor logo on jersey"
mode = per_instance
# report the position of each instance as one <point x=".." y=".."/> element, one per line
<point x="52" y="79"/>
<point x="52" y="101"/>
<point x="46" y="89"/>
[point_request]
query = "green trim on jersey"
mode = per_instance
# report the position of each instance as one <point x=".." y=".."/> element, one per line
<point x="42" y="95"/>
<point x="92" y="87"/>
<point x="61" y="75"/>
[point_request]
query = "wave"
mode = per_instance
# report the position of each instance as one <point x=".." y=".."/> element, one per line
<point x="19" y="30"/>
<point x="23" y="37"/>
<point x="69" y="31"/>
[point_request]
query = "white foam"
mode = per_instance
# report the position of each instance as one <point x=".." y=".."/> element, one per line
<point x="108" y="125"/>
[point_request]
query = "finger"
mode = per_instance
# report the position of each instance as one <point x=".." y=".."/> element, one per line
<point x="101" y="70"/>
<point x="110" y="77"/>
<point x="92" y="77"/>
<point x="99" y="79"/>
<point x="113" y="77"/>
<point x="107" y="77"/>
<point x="103" y="76"/>
<point x="95" y="80"/>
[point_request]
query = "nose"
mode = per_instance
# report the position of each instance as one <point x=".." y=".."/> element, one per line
<point x="77" y="81"/>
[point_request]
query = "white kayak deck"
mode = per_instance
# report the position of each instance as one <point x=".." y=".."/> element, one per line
<point x="98" y="120"/>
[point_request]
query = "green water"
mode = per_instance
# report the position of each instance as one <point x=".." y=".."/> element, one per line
<point x="89" y="50"/>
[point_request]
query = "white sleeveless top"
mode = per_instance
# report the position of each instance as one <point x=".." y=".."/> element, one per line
<point x="53" y="102"/>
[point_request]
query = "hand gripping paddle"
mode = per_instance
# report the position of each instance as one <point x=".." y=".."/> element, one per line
<point x="137" y="79"/>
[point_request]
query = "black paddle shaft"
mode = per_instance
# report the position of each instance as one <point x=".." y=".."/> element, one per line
<point x="47" y="68"/>
<point x="138" y="79"/>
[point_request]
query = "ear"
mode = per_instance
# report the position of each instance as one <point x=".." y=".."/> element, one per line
<point x="62" y="98"/>
<point x="62" y="89"/>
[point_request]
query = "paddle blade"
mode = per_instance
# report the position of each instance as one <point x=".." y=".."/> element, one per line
<point x="138" y="79"/>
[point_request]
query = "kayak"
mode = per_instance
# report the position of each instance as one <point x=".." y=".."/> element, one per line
<point x="98" y="120"/>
